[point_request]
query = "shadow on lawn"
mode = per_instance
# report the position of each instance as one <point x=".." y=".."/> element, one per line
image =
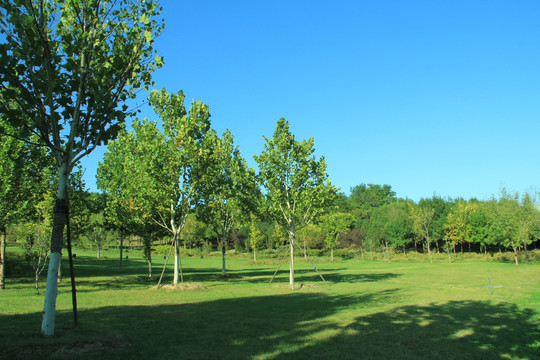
<point x="292" y="326"/>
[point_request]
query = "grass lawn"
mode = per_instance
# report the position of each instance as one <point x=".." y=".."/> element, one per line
<point x="365" y="310"/>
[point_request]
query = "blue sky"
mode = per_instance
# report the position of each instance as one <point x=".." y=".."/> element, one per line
<point x="430" y="97"/>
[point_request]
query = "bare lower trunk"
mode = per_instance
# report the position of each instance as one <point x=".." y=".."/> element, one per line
<point x="57" y="239"/>
<point x="332" y="254"/>
<point x="57" y="242"/>
<point x="149" y="268"/>
<point x="2" y="257"/>
<point x="223" y="252"/>
<point x="291" y="273"/>
<point x="37" y="283"/>
<point x="516" y="254"/>
<point x="176" y="276"/>
<point x="429" y="251"/>
<point x="121" y="248"/>
<point x="255" y="255"/>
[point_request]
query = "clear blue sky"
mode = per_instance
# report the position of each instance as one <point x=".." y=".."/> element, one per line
<point x="430" y="97"/>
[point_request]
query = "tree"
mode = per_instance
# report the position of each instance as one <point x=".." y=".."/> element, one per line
<point x="171" y="166"/>
<point x="233" y="192"/>
<point x="114" y="177"/>
<point x="333" y="225"/>
<point x="423" y="219"/>
<point x="367" y="197"/>
<point x="297" y="185"/>
<point x="36" y="237"/>
<point x="458" y="224"/>
<point x="65" y="70"/>
<point x="25" y="171"/>
<point x="256" y="237"/>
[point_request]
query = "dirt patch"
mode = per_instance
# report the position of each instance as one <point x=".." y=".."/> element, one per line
<point x="181" y="287"/>
<point x="298" y="286"/>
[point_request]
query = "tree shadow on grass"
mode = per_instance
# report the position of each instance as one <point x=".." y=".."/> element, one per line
<point x="292" y="326"/>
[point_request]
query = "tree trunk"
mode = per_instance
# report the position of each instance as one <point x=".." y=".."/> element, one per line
<point x="149" y="268"/>
<point x="176" y="276"/>
<point x="516" y="254"/>
<point x="448" y="251"/>
<point x="37" y="281"/>
<point x="121" y="248"/>
<point x="2" y="257"/>
<point x="429" y="250"/>
<point x="254" y="255"/>
<point x="57" y="242"/>
<point x="291" y="241"/>
<point x="223" y="251"/>
<point x="332" y="254"/>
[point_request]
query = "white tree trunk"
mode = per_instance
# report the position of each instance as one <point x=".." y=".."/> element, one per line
<point x="291" y="273"/>
<point x="57" y="239"/>
<point x="176" y="277"/>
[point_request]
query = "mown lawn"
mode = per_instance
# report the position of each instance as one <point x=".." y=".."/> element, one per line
<point x="365" y="310"/>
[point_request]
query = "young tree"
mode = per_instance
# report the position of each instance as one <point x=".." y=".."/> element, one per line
<point x="458" y="229"/>
<point x="256" y="237"/>
<point x="36" y="237"/>
<point x="68" y="66"/>
<point x="423" y="219"/>
<point x="25" y="171"/>
<point x="333" y="225"/>
<point x="233" y="191"/>
<point x="297" y="185"/>
<point x="171" y="166"/>
<point x="113" y="177"/>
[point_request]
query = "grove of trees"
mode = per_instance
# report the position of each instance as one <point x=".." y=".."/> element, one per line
<point x="173" y="183"/>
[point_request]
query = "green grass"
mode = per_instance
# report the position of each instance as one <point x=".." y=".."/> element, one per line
<point x="365" y="310"/>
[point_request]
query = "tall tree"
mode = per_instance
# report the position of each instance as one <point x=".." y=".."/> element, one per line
<point x="171" y="165"/>
<point x="233" y="192"/>
<point x="297" y="185"/>
<point x="68" y="66"/>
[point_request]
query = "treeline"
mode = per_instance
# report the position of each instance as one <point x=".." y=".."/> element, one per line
<point x="372" y="219"/>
